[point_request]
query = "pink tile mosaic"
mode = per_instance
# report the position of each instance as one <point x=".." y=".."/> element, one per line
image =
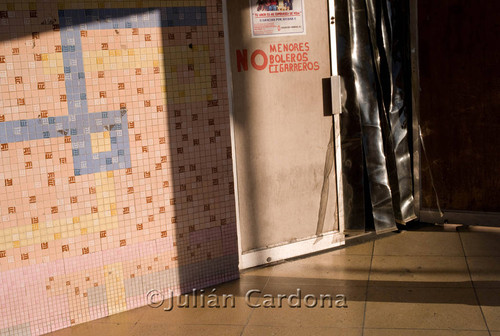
<point x="116" y="174"/>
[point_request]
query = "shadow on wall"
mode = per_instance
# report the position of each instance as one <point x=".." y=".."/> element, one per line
<point x="246" y="150"/>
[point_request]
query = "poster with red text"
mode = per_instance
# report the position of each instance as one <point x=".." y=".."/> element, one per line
<point x="277" y="18"/>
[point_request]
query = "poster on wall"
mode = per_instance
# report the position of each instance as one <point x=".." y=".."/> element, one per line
<point x="277" y="18"/>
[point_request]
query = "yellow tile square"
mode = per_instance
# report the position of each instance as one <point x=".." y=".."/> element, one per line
<point x="101" y="142"/>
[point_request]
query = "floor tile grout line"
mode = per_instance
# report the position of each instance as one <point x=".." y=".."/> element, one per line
<point x="473" y="285"/>
<point x="366" y="291"/>
<point x="251" y="313"/>
<point x="423" y="329"/>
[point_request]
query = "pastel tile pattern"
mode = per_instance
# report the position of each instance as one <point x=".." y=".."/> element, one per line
<point x="116" y="173"/>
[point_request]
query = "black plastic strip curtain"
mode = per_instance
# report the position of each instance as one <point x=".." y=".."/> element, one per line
<point x="374" y="62"/>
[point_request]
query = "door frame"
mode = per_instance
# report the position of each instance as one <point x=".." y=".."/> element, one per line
<point x="336" y="116"/>
<point x="306" y="245"/>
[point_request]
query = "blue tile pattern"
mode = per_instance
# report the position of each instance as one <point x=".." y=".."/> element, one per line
<point x="79" y="124"/>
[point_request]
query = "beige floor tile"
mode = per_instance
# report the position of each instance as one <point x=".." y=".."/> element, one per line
<point x="324" y="317"/>
<point x="422" y="332"/>
<point x="93" y="328"/>
<point x="328" y="269"/>
<point x="130" y="316"/>
<point x="437" y="227"/>
<point x="478" y="228"/>
<point x="423" y="308"/>
<point x="252" y="278"/>
<point x="293" y="331"/>
<point x="355" y="249"/>
<point x="485" y="271"/>
<point x="174" y="329"/>
<point x="357" y="293"/>
<point x="422" y="271"/>
<point x="481" y="244"/>
<point x="304" y="317"/>
<point x="489" y="298"/>
<point x="417" y="243"/>
<point x="233" y="315"/>
<point x="261" y="271"/>
<point x="238" y="288"/>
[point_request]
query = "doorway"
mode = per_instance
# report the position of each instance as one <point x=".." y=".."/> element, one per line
<point x="284" y="152"/>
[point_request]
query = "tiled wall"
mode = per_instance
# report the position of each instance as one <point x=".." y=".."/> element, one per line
<point x="116" y="173"/>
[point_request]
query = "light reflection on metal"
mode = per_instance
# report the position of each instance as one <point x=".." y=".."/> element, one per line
<point x="376" y="69"/>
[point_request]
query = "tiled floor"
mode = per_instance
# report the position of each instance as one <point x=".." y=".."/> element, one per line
<point x="430" y="280"/>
